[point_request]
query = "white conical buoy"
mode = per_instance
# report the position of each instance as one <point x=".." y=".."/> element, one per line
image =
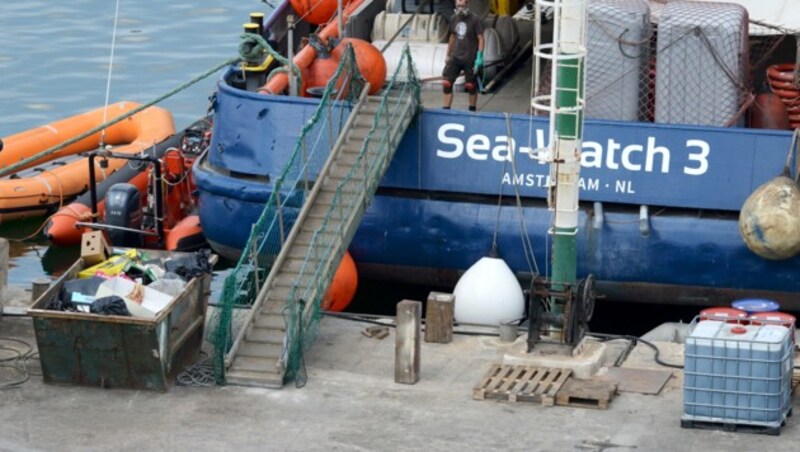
<point x="488" y="294"/>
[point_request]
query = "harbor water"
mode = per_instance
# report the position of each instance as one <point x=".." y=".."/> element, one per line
<point x="54" y="63"/>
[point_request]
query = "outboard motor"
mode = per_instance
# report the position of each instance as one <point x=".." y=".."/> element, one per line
<point x="124" y="209"/>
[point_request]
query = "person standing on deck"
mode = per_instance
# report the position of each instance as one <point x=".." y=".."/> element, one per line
<point x="464" y="52"/>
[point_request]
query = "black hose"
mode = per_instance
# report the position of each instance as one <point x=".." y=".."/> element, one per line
<point x="359" y="318"/>
<point x="634" y="340"/>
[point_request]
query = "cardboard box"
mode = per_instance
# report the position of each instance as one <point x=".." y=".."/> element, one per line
<point x="140" y="300"/>
<point x="94" y="248"/>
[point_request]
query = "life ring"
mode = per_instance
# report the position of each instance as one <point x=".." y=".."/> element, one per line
<point x="781" y="72"/>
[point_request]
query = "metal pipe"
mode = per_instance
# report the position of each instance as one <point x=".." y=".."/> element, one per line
<point x="108" y="227"/>
<point x="598" y="220"/>
<point x="339" y="15"/>
<point x="93" y="185"/>
<point x="644" y="221"/>
<point x="292" y="81"/>
<point x="159" y="201"/>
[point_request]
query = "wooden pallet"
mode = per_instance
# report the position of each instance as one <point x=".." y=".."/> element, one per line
<point x="773" y="430"/>
<point x="521" y="384"/>
<point x="586" y="393"/>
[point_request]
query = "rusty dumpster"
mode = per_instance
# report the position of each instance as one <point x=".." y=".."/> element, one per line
<point x="111" y="351"/>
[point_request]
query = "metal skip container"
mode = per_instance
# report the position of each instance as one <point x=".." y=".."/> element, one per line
<point x="112" y="351"/>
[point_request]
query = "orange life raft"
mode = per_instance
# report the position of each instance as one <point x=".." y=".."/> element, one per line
<point x="34" y="193"/>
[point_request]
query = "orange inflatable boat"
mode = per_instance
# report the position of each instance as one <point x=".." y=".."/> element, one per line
<point x="41" y="187"/>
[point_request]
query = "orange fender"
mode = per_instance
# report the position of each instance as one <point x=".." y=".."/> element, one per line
<point x="343" y="287"/>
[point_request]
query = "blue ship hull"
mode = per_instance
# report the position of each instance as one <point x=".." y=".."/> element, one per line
<point x="436" y="212"/>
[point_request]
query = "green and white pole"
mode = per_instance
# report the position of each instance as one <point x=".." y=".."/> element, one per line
<point x="567" y="55"/>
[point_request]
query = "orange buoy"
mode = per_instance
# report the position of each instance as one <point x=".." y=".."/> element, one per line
<point x="306" y="55"/>
<point x="316" y="11"/>
<point x="369" y="60"/>
<point x="343" y="287"/>
<point x="318" y="74"/>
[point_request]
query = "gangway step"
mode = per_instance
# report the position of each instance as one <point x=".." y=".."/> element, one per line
<point x="305" y="237"/>
<point x="272" y="380"/>
<point x="266" y="335"/>
<point x="269" y="320"/>
<point x="253" y="364"/>
<point x="266" y="350"/>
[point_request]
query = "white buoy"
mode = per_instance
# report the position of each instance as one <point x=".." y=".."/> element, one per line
<point x="769" y="221"/>
<point x="488" y="294"/>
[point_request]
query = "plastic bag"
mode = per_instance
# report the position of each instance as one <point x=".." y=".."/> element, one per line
<point x="87" y="287"/>
<point x="56" y="304"/>
<point x="111" y="305"/>
<point x="171" y="287"/>
<point x="187" y="267"/>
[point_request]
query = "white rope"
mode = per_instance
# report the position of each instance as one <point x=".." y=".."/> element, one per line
<point x="110" y="68"/>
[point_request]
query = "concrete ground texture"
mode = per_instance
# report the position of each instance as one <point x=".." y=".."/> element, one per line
<point x="351" y="402"/>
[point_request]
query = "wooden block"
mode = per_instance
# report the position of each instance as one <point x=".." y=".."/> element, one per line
<point x="586" y="393"/>
<point x="407" y="348"/>
<point x="39" y="287"/>
<point x="376" y="332"/>
<point x="439" y="318"/>
<point x="94" y="248"/>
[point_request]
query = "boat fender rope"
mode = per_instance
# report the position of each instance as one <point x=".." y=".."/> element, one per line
<point x="58" y="180"/>
<point x="46" y="220"/>
<point x="44" y="183"/>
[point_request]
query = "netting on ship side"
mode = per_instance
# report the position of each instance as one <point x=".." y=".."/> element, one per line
<point x="289" y="191"/>
<point x="680" y="62"/>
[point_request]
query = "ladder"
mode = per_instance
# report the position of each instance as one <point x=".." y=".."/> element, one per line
<point x="319" y="237"/>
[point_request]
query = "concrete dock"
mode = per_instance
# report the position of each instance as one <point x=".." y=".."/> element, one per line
<point x="351" y="402"/>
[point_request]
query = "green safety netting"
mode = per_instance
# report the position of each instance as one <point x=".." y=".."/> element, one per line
<point x="329" y="241"/>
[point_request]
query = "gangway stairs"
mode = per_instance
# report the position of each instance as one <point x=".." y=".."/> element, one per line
<point x="321" y="234"/>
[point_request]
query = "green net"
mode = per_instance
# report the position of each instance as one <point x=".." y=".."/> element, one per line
<point x="301" y="307"/>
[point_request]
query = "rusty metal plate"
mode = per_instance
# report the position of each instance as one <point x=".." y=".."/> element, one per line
<point x="642" y="381"/>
